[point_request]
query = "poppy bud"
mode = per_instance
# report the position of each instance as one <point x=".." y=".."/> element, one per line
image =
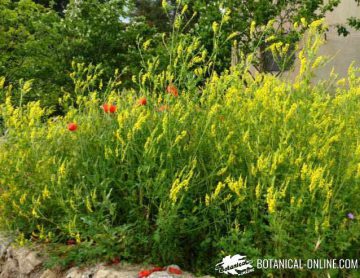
<point x="72" y="126"/>
<point x="142" y="101"/>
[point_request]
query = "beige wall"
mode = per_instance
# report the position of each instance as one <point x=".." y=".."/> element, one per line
<point x="344" y="50"/>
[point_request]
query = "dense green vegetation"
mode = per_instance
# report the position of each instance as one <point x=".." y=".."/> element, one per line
<point x="119" y="140"/>
<point x="40" y="39"/>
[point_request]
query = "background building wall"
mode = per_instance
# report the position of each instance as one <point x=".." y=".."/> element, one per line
<point x="343" y="50"/>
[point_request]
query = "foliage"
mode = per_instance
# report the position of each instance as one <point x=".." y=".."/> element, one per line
<point x="152" y="11"/>
<point x="258" y="166"/>
<point x="29" y="44"/>
<point x="248" y="18"/>
<point x="37" y="43"/>
<point x="40" y="39"/>
<point x="58" y="5"/>
<point x="352" y="22"/>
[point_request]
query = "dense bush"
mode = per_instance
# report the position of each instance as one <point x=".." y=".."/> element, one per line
<point x="39" y="44"/>
<point x="174" y="174"/>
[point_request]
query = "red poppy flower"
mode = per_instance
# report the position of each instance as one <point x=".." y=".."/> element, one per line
<point x="106" y="107"/>
<point x="72" y="126"/>
<point x="174" y="270"/>
<point x="113" y="108"/>
<point x="144" y="273"/>
<point x="109" y="108"/>
<point x="71" y="242"/>
<point x="142" y="101"/>
<point x="171" y="89"/>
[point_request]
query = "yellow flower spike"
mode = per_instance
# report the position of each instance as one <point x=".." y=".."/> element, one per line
<point x="62" y="170"/>
<point x="180" y="137"/>
<point x="34" y="213"/>
<point x="278" y="47"/>
<point x="23" y="198"/>
<point x="27" y="86"/>
<point x="45" y="193"/>
<point x="292" y="201"/>
<point x="316" y="179"/>
<point x="315" y="24"/>
<point x="2" y="82"/>
<point x="326" y="223"/>
<point x="215" y="27"/>
<point x="140" y="121"/>
<point x="220" y="186"/>
<point x="88" y="204"/>
<point x="271" y="199"/>
<point x="179" y="184"/>
<point x="207" y="200"/>
<point x="231" y="159"/>
<point x="177" y="23"/>
<point x="78" y="238"/>
<point x="21" y="239"/>
<point x="341" y="82"/>
<point x="258" y="191"/>
<point x="184" y="9"/>
<point x="304" y="171"/>
<point x="304" y="22"/>
<point x="269" y="39"/>
<point x="146" y="44"/>
<point x="252" y="28"/>
<point x="270" y="24"/>
<point x="175" y="189"/>
<point x="237" y="186"/>
<point x="180" y="49"/>
<point x="15" y="206"/>
<point x="291" y="112"/>
<point x="285" y="49"/>
<point x="226" y="16"/>
<point x="198" y="71"/>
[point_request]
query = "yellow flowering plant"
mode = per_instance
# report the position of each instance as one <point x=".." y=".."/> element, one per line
<point x="252" y="165"/>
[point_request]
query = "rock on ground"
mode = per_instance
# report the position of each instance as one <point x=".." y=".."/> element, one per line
<point x="25" y="263"/>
